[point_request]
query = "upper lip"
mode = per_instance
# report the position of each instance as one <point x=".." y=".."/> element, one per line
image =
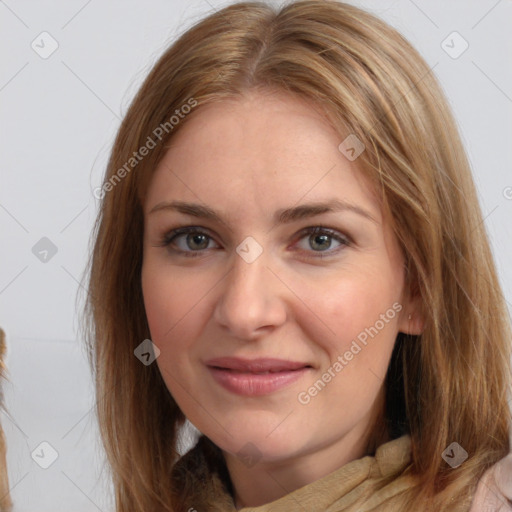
<point x="263" y="364"/>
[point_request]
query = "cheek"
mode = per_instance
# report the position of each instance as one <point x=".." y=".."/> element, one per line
<point x="363" y="315"/>
<point x="361" y="308"/>
<point x="174" y="310"/>
<point x="173" y="306"/>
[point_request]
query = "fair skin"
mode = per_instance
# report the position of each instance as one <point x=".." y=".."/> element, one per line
<point x="305" y="298"/>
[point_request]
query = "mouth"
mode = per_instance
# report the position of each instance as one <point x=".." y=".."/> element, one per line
<point x="261" y="365"/>
<point x="256" y="377"/>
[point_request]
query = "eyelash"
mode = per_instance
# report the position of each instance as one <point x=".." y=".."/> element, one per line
<point x="175" y="233"/>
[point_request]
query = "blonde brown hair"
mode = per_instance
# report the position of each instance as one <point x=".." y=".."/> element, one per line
<point x="5" y="496"/>
<point x="449" y="384"/>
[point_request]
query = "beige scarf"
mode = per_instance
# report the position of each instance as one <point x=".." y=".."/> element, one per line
<point x="347" y="489"/>
<point x="370" y="484"/>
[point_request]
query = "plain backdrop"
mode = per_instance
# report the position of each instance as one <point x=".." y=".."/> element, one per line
<point x="60" y="113"/>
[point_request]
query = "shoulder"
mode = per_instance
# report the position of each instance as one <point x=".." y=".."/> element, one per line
<point x="494" y="490"/>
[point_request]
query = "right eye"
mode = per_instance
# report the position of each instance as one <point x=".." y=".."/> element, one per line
<point x="190" y="241"/>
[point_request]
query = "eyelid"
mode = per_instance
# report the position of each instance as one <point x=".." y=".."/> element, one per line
<point x="343" y="239"/>
<point x="334" y="233"/>
<point x="174" y="233"/>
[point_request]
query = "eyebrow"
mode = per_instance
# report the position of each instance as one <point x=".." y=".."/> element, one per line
<point x="282" y="216"/>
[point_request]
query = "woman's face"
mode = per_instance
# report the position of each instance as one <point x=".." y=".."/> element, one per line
<point x="269" y="333"/>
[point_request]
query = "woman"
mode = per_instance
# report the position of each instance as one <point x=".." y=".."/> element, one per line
<point x="290" y="255"/>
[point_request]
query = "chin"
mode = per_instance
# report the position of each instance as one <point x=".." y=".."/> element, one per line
<point x="258" y="437"/>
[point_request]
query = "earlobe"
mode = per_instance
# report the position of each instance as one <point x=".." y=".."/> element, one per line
<point x="414" y="324"/>
<point x="412" y="320"/>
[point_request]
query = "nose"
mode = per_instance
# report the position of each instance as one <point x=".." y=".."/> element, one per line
<point x="251" y="300"/>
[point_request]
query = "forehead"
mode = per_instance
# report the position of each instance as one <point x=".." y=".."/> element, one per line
<point x="270" y="148"/>
<point x="247" y="123"/>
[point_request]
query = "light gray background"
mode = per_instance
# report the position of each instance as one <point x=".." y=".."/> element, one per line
<point x="60" y="115"/>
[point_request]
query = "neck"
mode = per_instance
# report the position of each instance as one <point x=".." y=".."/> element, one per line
<point x="269" y="481"/>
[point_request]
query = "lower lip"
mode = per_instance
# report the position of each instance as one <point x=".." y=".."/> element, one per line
<point x="253" y="384"/>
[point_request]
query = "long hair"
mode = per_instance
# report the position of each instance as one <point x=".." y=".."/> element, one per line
<point x="5" y="497"/>
<point x="448" y="384"/>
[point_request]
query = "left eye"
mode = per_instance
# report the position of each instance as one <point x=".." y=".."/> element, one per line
<point x="192" y="241"/>
<point x="320" y="239"/>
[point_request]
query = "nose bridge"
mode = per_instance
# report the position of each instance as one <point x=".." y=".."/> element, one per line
<point x="244" y="277"/>
<point x="249" y="298"/>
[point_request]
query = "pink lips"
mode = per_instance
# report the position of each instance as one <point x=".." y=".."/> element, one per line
<point x="255" y="377"/>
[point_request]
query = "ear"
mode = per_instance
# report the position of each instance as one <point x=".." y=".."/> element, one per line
<point x="412" y="319"/>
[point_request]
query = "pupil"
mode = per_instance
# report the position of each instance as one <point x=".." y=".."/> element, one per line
<point x="197" y="239"/>
<point x="325" y="242"/>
